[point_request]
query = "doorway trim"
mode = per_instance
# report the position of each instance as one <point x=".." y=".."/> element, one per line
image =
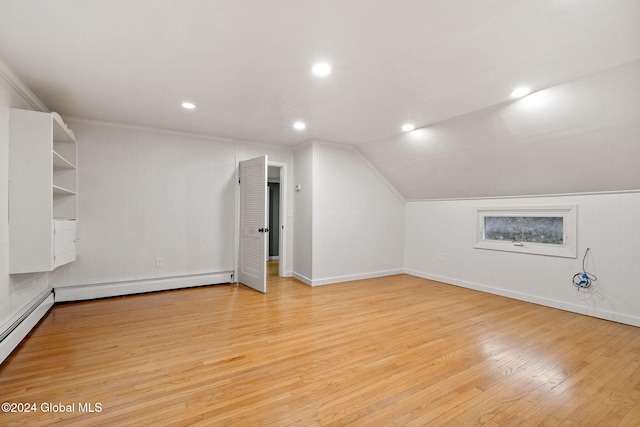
<point x="284" y="226"/>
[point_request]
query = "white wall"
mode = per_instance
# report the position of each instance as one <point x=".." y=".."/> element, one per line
<point x="303" y="211"/>
<point x="358" y="223"/>
<point x="17" y="291"/>
<point x="609" y="224"/>
<point x="145" y="194"/>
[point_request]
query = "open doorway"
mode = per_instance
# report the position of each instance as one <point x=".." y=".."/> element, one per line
<point x="253" y="228"/>
<point x="276" y="195"/>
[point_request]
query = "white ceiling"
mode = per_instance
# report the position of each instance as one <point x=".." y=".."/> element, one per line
<point x="246" y="63"/>
<point x="448" y="66"/>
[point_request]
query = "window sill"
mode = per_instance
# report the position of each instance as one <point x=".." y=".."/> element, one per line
<point x="527" y="248"/>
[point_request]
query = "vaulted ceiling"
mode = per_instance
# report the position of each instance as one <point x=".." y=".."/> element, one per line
<point x="446" y="66"/>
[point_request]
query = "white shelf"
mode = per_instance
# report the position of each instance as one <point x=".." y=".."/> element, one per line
<point x="61" y="133"/>
<point x="43" y="182"/>
<point x="60" y="162"/>
<point x="62" y="191"/>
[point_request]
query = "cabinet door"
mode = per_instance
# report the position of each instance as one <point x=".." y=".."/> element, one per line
<point x="64" y="242"/>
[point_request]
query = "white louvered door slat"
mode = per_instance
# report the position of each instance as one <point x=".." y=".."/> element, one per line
<point x="252" y="270"/>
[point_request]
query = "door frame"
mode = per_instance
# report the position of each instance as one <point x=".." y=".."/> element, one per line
<point x="282" y="233"/>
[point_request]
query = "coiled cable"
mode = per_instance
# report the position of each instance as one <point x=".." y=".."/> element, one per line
<point x="583" y="279"/>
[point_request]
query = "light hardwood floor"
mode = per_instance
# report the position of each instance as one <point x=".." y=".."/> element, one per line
<point x="391" y="351"/>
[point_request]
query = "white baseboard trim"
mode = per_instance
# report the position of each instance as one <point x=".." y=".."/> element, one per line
<point x="274" y="258"/>
<point x="113" y="289"/>
<point x="300" y="277"/>
<point x="352" y="277"/>
<point x="562" y="305"/>
<point x="15" y="337"/>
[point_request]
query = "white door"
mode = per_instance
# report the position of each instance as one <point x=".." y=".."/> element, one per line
<point x="252" y="270"/>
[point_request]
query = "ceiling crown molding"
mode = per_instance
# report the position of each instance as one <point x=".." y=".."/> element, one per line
<point x="21" y="88"/>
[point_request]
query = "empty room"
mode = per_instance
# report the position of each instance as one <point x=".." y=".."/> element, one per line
<point x="320" y="212"/>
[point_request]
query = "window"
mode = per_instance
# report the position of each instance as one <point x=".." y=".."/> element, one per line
<point x="541" y="230"/>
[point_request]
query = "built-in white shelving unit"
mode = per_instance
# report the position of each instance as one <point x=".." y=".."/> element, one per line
<point x="43" y="185"/>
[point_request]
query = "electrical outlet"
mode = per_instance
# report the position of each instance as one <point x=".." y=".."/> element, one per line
<point x="441" y="256"/>
<point x="159" y="262"/>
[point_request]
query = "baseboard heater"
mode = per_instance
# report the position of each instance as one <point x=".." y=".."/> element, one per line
<point x="130" y="287"/>
<point x="19" y="326"/>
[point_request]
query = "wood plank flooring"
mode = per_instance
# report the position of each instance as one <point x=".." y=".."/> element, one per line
<point x="398" y="351"/>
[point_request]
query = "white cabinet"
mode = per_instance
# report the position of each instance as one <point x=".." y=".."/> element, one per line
<point x="43" y="183"/>
<point x="64" y="241"/>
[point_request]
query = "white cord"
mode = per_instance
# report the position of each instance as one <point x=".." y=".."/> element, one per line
<point x="583" y="279"/>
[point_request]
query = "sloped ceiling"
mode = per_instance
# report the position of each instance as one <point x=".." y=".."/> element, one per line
<point x="446" y="66"/>
<point x="578" y="137"/>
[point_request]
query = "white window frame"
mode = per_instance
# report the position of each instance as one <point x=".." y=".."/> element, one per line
<point x="569" y="214"/>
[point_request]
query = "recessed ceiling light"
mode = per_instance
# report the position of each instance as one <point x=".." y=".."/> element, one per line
<point x="299" y="125"/>
<point x="321" y="69"/>
<point x="520" y="92"/>
<point x="188" y="105"/>
<point x="408" y="127"/>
